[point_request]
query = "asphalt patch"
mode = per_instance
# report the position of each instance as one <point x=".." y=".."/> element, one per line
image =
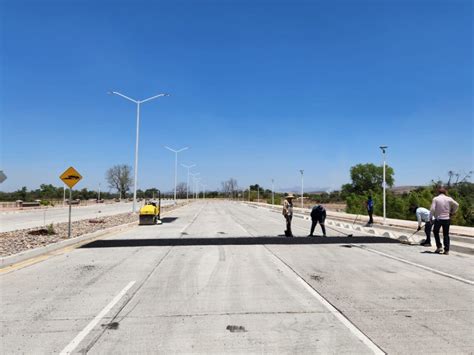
<point x="88" y="267"/>
<point x="155" y="242"/>
<point x="113" y="325"/>
<point x="236" y="329"/>
<point x="317" y="278"/>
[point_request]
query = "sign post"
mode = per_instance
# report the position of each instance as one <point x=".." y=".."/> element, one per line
<point x="70" y="177"/>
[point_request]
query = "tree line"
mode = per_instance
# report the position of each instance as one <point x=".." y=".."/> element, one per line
<point x="366" y="179"/>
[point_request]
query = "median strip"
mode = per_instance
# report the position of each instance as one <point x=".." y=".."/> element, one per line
<point x="18" y="247"/>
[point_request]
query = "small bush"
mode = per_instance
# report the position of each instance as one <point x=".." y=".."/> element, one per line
<point x="50" y="229"/>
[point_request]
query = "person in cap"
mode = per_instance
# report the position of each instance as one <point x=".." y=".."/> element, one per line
<point x="318" y="214"/>
<point x="424" y="215"/>
<point x="288" y="214"/>
<point x="442" y="208"/>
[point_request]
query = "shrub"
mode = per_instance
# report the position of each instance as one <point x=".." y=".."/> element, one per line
<point x="50" y="229"/>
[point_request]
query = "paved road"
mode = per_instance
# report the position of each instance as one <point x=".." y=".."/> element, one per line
<point x="36" y="218"/>
<point x="217" y="278"/>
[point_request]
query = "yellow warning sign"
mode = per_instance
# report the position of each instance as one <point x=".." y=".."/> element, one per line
<point x="70" y="177"/>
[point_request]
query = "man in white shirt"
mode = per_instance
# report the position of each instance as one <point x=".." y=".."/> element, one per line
<point x="442" y="208"/>
<point x="423" y="215"/>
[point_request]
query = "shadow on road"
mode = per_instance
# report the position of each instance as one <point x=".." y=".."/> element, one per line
<point x="161" y="242"/>
<point x="168" y="219"/>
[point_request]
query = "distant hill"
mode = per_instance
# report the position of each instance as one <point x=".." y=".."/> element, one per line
<point x="307" y="190"/>
<point x="404" y="189"/>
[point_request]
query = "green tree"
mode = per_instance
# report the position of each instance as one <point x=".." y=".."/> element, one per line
<point x="150" y="193"/>
<point x="368" y="178"/>
<point x="48" y="191"/>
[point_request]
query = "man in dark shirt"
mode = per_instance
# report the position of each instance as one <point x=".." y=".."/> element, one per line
<point x="318" y="214"/>
<point x="370" y="210"/>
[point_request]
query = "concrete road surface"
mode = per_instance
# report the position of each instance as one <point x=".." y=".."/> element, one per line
<point x="36" y="218"/>
<point x="217" y="278"/>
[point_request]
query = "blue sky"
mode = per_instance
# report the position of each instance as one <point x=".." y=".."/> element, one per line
<point x="259" y="89"/>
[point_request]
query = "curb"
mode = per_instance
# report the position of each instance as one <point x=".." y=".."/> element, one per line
<point x="403" y="237"/>
<point x="9" y="260"/>
<point x="29" y="254"/>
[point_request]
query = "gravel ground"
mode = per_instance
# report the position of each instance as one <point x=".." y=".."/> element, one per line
<point x="14" y="242"/>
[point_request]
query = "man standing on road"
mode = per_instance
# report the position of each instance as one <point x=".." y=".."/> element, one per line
<point x="288" y="214"/>
<point x="423" y="215"/>
<point x="370" y="210"/>
<point x="318" y="214"/>
<point x="442" y="208"/>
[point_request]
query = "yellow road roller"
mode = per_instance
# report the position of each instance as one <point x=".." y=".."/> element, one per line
<point x="150" y="212"/>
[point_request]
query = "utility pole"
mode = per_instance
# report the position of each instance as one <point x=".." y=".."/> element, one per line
<point x="384" y="148"/>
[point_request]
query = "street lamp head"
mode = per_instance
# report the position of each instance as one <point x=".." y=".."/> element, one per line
<point x="384" y="148"/>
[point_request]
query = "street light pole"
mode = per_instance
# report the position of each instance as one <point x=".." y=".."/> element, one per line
<point x="98" y="197"/>
<point x="197" y="188"/>
<point x="194" y="183"/>
<point x="176" y="166"/>
<point x="187" y="184"/>
<point x="302" y="204"/>
<point x="273" y="191"/>
<point x="384" y="148"/>
<point x="137" y="102"/>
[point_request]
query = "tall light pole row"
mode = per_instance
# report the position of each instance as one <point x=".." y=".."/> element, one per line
<point x="138" y="103"/>
<point x="187" y="184"/>
<point x="135" y="180"/>
<point x="176" y="166"/>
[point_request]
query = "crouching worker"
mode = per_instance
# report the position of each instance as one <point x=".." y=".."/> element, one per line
<point x="288" y="214"/>
<point x="423" y="215"/>
<point x="318" y="214"/>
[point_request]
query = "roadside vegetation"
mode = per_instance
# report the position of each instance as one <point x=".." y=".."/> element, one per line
<point x="366" y="180"/>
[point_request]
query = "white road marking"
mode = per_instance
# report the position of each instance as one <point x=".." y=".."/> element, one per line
<point x="80" y="337"/>
<point x="454" y="277"/>
<point x="333" y="310"/>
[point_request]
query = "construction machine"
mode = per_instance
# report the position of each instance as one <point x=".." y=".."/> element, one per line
<point x="150" y="212"/>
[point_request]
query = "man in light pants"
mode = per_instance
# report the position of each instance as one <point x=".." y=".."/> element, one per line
<point x="423" y="215"/>
<point x="288" y="214"/>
